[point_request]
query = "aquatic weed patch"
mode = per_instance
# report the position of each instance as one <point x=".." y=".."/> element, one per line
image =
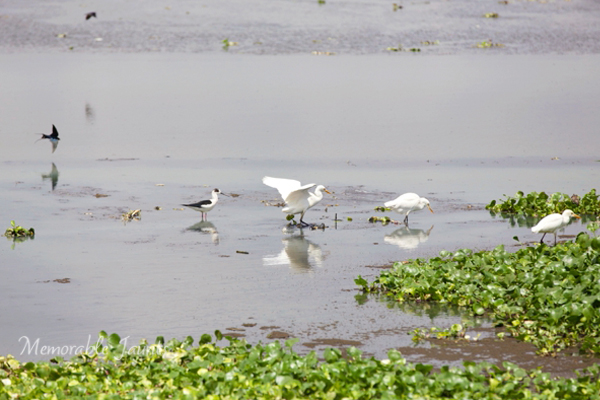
<point x="541" y="204"/>
<point x="549" y="296"/>
<point x="182" y="370"/>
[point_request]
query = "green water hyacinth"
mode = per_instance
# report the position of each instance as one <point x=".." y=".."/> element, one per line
<point x="181" y="370"/>
<point x="549" y="296"/>
<point x="541" y="204"/>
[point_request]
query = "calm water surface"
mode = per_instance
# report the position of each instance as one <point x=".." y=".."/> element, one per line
<point x="159" y="130"/>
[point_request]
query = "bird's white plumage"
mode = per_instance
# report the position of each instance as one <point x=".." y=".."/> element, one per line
<point x="553" y="222"/>
<point x="407" y="203"/>
<point x="296" y="196"/>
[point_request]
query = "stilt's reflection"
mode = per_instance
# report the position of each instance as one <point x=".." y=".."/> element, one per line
<point x="90" y="115"/>
<point x="52" y="175"/>
<point x="207" y="228"/>
<point x="407" y="238"/>
<point x="299" y="253"/>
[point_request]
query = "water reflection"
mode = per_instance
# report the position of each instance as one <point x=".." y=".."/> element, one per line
<point x="299" y="253"/>
<point x="407" y="238"/>
<point x="52" y="175"/>
<point x="206" y="228"/>
<point x="90" y="115"/>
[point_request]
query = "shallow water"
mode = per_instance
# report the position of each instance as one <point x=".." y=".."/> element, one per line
<point x="160" y="130"/>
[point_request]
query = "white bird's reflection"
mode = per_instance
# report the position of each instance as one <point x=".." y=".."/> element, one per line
<point x="407" y="238"/>
<point x="207" y="228"/>
<point x="52" y="175"/>
<point x="299" y="253"/>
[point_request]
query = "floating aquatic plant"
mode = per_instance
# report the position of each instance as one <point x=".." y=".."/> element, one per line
<point x="548" y="296"/>
<point x="455" y="332"/>
<point x="541" y="204"/>
<point x="384" y="220"/>
<point x="181" y="369"/>
<point x="17" y="231"/>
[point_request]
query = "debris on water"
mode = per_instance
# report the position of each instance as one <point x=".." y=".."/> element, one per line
<point x="158" y="208"/>
<point x="384" y="220"/>
<point x="241" y="252"/>
<point x="99" y="195"/>
<point x="491" y="15"/>
<point x="160" y="184"/>
<point x="269" y="204"/>
<point x="61" y="280"/>
<point x="382" y="209"/>
<point x="396" y="6"/>
<point x="487" y="44"/>
<point x="16" y="231"/>
<point x="131" y="215"/>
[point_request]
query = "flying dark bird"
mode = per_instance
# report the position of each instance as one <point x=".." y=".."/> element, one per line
<point x="205" y="206"/>
<point x="90" y="15"/>
<point x="52" y="137"/>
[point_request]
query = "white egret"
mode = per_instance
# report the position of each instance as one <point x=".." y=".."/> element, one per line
<point x="205" y="206"/>
<point x="297" y="198"/>
<point x="553" y="222"/>
<point x="408" y="202"/>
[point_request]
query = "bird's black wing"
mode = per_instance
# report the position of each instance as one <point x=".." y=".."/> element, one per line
<point x="198" y="204"/>
<point x="54" y="133"/>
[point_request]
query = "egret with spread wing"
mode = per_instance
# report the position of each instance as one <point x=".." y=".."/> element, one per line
<point x="297" y="198"/>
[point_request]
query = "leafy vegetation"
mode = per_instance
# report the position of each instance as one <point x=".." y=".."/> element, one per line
<point x="548" y="296"/>
<point x="16" y="231"/>
<point x="455" y="332"/>
<point x="541" y="204"/>
<point x="18" y="234"/>
<point x="180" y="370"/>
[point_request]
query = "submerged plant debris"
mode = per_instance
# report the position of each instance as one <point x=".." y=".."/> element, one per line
<point x="547" y="296"/>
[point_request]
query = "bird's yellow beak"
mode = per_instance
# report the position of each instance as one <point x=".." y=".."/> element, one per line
<point x="326" y="191"/>
<point x="576" y="216"/>
<point x="428" y="206"/>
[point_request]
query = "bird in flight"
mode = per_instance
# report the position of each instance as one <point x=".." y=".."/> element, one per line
<point x="53" y="137"/>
